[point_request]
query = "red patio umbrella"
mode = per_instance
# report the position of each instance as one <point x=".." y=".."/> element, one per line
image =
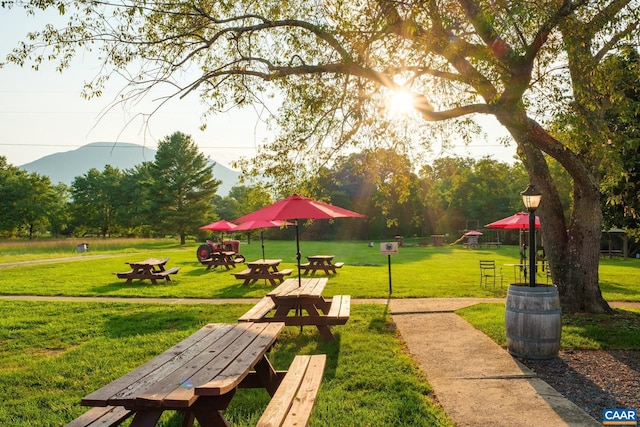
<point x="297" y="207"/>
<point x="252" y="225"/>
<point x="221" y="225"/>
<point x="519" y="220"/>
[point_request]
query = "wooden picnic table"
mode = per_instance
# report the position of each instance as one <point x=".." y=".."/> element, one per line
<point x="302" y="305"/>
<point x="226" y="259"/>
<point x="198" y="376"/>
<point x="151" y="268"/>
<point x="322" y="263"/>
<point x="263" y="269"/>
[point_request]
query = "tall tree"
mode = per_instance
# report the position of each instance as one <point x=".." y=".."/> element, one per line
<point x="183" y="186"/>
<point x="135" y="201"/>
<point x="95" y="200"/>
<point x="10" y="178"/>
<point x="37" y="200"/>
<point x="336" y="63"/>
<point x="621" y="182"/>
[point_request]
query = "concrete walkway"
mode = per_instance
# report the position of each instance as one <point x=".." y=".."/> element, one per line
<point x="475" y="380"/>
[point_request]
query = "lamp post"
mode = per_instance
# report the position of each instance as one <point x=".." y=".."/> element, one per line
<point x="531" y="199"/>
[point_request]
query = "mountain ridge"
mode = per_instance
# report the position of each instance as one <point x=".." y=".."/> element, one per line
<point x="65" y="166"/>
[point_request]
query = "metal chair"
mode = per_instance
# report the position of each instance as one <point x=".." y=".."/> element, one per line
<point x="488" y="271"/>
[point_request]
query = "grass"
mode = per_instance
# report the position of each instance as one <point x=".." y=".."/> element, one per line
<point x="619" y="331"/>
<point x="53" y="353"/>
<point x="415" y="272"/>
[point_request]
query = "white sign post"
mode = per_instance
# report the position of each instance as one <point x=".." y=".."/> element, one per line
<point x="388" y="249"/>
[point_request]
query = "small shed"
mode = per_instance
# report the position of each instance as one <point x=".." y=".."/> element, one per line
<point x="611" y="235"/>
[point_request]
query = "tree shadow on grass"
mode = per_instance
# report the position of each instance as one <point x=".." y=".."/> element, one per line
<point x="115" y="287"/>
<point x="149" y="321"/>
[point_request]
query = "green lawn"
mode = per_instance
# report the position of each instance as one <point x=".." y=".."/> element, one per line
<point x="53" y="353"/>
<point x="415" y="272"/>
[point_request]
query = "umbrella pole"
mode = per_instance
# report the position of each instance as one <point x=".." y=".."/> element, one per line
<point x="298" y="254"/>
<point x="298" y="308"/>
<point x="262" y="241"/>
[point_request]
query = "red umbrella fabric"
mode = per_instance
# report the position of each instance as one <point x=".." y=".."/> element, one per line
<point x="221" y="225"/>
<point x="297" y="207"/>
<point x="252" y="225"/>
<point x="520" y="220"/>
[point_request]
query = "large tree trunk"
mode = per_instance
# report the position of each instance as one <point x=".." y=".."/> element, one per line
<point x="572" y="249"/>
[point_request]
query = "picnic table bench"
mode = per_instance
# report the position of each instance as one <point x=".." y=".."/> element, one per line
<point x="199" y="377"/>
<point x="293" y="402"/>
<point x="320" y="263"/>
<point x="263" y="269"/>
<point x="302" y="305"/>
<point x="151" y="269"/>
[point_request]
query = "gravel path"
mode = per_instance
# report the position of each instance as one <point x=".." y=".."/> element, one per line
<point x="593" y="379"/>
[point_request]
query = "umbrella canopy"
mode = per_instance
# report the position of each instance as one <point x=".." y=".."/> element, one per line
<point x="252" y="225"/>
<point x="473" y="233"/>
<point x="221" y="225"/>
<point x="297" y="207"/>
<point x="520" y="220"/>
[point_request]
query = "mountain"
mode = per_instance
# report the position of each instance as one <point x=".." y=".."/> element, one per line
<point x="65" y="167"/>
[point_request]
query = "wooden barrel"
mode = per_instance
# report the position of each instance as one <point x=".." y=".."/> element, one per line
<point x="533" y="321"/>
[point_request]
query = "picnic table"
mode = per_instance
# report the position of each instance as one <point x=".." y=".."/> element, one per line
<point x="200" y="375"/>
<point x="322" y="263"/>
<point x="302" y="305"/>
<point x="151" y="268"/>
<point x="197" y="376"/>
<point x="225" y="259"/>
<point x="263" y="269"/>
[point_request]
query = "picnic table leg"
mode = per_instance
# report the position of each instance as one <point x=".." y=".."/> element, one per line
<point x="267" y="375"/>
<point x="208" y="414"/>
<point x="325" y="332"/>
<point x="188" y="419"/>
<point x="146" y="418"/>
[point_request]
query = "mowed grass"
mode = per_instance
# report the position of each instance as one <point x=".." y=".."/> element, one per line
<point x="54" y="353"/>
<point x="446" y="271"/>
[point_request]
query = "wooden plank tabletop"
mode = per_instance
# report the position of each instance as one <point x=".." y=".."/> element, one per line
<point x="309" y="288"/>
<point x="263" y="262"/>
<point x="214" y="360"/>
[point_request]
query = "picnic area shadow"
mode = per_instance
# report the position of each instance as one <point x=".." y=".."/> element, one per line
<point x="201" y="270"/>
<point x="114" y="287"/>
<point x="145" y="322"/>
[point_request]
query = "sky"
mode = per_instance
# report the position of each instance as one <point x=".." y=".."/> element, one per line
<point x="42" y="113"/>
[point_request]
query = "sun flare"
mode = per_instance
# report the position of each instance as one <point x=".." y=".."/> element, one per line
<point x="401" y="102"/>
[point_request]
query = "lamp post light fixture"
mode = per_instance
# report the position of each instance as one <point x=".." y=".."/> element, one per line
<point x="531" y="199"/>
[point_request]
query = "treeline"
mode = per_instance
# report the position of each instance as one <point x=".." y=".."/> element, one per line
<point x="175" y="194"/>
